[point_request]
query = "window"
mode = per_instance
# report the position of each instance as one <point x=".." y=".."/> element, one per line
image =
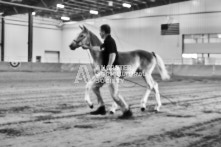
<point x="215" y="38"/>
<point x="205" y="38"/>
<point x="202" y="38"/>
<point x="198" y="38"/>
<point x="189" y="39"/>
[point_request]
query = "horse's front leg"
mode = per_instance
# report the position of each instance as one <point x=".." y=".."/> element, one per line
<point x="114" y="108"/>
<point x="87" y="92"/>
<point x="94" y="84"/>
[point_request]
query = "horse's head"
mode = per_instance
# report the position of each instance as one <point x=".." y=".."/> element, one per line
<point x="82" y="40"/>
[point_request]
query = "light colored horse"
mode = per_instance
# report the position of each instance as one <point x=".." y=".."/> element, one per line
<point x="139" y="61"/>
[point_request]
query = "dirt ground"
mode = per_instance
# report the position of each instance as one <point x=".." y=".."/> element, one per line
<point x="48" y="110"/>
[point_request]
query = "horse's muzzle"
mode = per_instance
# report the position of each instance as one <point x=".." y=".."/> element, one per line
<point x="72" y="47"/>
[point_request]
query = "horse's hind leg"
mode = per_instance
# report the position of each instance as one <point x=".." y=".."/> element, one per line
<point x="157" y="95"/>
<point x="149" y="83"/>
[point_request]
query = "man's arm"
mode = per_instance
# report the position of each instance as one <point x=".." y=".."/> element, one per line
<point x="112" y="57"/>
<point x="96" y="48"/>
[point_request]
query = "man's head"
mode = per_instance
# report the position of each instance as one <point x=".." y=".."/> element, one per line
<point x="105" y="30"/>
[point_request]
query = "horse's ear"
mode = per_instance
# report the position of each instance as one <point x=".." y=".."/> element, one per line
<point x="81" y="27"/>
<point x="85" y="29"/>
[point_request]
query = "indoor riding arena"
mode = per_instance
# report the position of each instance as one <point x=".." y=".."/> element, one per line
<point x="57" y="87"/>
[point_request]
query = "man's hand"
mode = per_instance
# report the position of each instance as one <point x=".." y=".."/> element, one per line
<point x="96" y="48"/>
<point x="86" y="46"/>
<point x="109" y="68"/>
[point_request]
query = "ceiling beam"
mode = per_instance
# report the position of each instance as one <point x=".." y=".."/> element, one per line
<point x="72" y="11"/>
<point x="43" y="2"/>
<point x="26" y="6"/>
<point x="95" y="5"/>
<point x="72" y="5"/>
<point x="86" y="8"/>
<point x="16" y="11"/>
<point x="69" y="11"/>
<point x="105" y="3"/>
<point x="74" y="8"/>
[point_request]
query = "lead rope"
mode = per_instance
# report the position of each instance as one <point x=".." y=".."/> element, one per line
<point x="172" y="102"/>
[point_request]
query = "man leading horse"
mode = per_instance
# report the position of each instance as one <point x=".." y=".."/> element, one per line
<point x="106" y="55"/>
<point x="109" y="70"/>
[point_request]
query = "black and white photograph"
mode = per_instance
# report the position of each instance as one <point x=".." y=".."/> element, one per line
<point x="110" y="73"/>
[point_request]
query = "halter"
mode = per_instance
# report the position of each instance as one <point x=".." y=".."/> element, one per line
<point x="78" y="41"/>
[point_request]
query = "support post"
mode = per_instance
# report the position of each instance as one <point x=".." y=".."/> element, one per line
<point x="3" y="40"/>
<point x="30" y="36"/>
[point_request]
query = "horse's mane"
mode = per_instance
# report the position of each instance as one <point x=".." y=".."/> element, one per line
<point x="95" y="41"/>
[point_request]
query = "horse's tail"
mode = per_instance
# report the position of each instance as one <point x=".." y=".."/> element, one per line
<point x="161" y="67"/>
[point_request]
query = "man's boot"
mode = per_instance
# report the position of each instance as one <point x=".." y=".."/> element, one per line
<point x="100" y="111"/>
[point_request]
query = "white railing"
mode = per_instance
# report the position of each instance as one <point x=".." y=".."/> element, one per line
<point x="189" y="61"/>
<point x="186" y="61"/>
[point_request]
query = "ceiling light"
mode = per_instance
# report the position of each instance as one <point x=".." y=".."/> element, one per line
<point x="219" y="35"/>
<point x="33" y="13"/>
<point x="110" y="3"/>
<point x="65" y="18"/>
<point x="60" y="6"/>
<point x="126" y="5"/>
<point x="93" y="12"/>
<point x="189" y="56"/>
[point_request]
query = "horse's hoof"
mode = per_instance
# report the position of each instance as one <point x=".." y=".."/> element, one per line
<point x="156" y="110"/>
<point x="91" y="106"/>
<point x="142" y="109"/>
<point x="111" y="112"/>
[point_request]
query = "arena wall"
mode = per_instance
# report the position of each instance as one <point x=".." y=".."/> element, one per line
<point x="177" y="70"/>
<point x="41" y="67"/>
